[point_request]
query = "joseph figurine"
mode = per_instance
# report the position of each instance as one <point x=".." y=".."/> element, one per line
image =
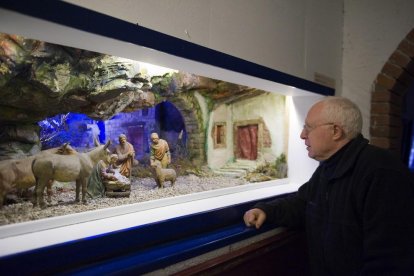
<point x="126" y="153"/>
<point x="159" y="151"/>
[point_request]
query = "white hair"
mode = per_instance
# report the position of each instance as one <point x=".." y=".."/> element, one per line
<point x="343" y="112"/>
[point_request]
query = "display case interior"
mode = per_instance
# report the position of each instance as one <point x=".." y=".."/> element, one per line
<point x="232" y="127"/>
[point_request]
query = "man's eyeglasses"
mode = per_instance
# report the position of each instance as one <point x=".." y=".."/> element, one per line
<point x="307" y="128"/>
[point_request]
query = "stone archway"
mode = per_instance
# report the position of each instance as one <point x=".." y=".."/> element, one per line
<point x="195" y="132"/>
<point x="387" y="96"/>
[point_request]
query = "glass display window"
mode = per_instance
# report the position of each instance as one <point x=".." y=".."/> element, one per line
<point x="223" y="118"/>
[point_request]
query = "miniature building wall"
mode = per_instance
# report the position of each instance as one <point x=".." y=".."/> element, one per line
<point x="267" y="112"/>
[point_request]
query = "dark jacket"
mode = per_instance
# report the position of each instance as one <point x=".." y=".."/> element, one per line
<point x="358" y="210"/>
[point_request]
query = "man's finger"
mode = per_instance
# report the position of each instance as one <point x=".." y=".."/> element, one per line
<point x="259" y="221"/>
<point x="249" y="219"/>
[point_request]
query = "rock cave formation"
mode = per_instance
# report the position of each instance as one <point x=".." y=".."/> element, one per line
<point x="40" y="79"/>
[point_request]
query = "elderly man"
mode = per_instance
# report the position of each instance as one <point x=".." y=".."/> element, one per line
<point x="358" y="206"/>
<point x="159" y="151"/>
<point x="126" y="153"/>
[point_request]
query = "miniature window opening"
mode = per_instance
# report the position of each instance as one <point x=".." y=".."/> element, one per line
<point x="219" y="135"/>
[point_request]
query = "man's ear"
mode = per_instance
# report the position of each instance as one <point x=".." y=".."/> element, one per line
<point x="338" y="132"/>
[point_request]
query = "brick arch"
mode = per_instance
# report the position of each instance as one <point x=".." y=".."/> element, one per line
<point x="195" y="132"/>
<point x="387" y="97"/>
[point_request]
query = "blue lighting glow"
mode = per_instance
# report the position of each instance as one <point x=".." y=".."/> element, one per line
<point x="411" y="156"/>
<point x="79" y="130"/>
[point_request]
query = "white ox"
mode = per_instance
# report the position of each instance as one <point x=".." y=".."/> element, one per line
<point x="18" y="175"/>
<point x="67" y="168"/>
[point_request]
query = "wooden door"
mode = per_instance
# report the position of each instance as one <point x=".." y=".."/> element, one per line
<point x="247" y="142"/>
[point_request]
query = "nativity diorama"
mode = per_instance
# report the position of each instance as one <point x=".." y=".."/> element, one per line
<point x="81" y="130"/>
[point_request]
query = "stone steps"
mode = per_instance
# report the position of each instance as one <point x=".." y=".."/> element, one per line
<point x="236" y="169"/>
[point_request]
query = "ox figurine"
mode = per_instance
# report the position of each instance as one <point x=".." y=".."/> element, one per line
<point x="17" y="174"/>
<point x="67" y="168"/>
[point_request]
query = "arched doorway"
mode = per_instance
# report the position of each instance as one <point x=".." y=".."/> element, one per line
<point x="407" y="141"/>
<point x="170" y="126"/>
<point x="388" y="97"/>
<point x="193" y="121"/>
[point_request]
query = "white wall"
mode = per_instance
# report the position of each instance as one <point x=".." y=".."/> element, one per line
<point x="217" y="158"/>
<point x="372" y="31"/>
<point x="300" y="166"/>
<point x="298" y="37"/>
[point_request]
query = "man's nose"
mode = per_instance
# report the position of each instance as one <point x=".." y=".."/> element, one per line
<point x="303" y="134"/>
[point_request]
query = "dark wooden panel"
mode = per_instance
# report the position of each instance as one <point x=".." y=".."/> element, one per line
<point x="282" y="254"/>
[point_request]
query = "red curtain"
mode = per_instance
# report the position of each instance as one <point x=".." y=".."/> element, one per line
<point x="247" y="142"/>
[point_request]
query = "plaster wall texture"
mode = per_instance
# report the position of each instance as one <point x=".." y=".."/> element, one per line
<point x="372" y="32"/>
<point x="298" y="37"/>
<point x="269" y="108"/>
<point x="217" y="158"/>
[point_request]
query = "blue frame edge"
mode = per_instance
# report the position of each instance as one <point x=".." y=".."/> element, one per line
<point x="97" y="23"/>
<point x="140" y="249"/>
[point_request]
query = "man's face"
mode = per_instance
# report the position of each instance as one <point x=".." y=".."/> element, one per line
<point x="318" y="134"/>
<point x="122" y="140"/>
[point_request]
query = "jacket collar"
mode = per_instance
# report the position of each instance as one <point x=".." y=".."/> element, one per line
<point x="344" y="159"/>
